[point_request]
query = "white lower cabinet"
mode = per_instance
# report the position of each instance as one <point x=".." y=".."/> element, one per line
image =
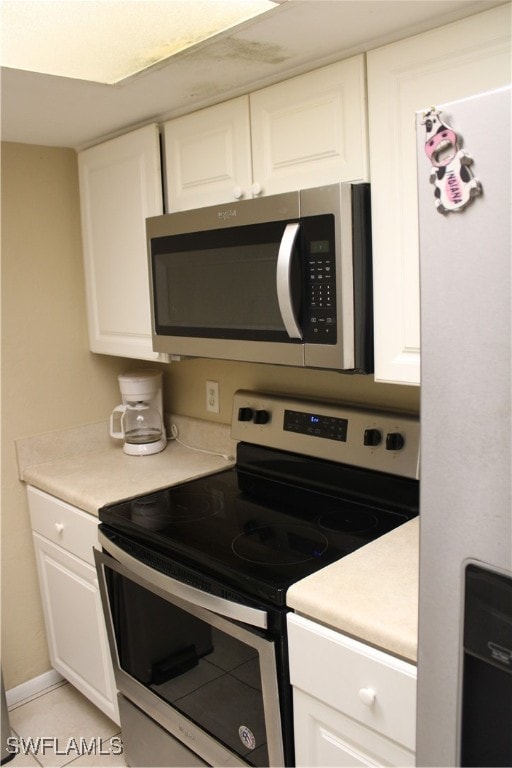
<point x="64" y="537"/>
<point x="353" y="704"/>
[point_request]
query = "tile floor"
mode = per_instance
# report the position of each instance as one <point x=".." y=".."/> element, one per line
<point x="60" y="727"/>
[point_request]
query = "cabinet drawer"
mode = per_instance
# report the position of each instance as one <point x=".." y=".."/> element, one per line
<point x="373" y="687"/>
<point x="71" y="528"/>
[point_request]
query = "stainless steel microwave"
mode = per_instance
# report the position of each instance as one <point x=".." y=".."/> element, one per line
<point x="284" y="279"/>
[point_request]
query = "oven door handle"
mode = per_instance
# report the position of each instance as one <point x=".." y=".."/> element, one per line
<point x="244" y="613"/>
<point x="283" y="281"/>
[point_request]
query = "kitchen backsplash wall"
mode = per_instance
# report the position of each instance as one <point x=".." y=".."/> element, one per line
<point x="185" y="386"/>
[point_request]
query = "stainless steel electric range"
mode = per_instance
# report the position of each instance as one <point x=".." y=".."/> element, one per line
<point x="194" y="577"/>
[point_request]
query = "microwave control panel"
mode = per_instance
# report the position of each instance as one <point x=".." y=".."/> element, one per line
<point x="319" y="321"/>
<point x="320" y="325"/>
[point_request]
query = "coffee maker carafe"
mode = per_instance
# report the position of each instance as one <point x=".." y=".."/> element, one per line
<point x="139" y="420"/>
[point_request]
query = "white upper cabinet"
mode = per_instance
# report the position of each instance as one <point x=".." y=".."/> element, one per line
<point x="311" y="130"/>
<point x="304" y="132"/>
<point x="120" y="185"/>
<point x="207" y="156"/>
<point x="452" y="62"/>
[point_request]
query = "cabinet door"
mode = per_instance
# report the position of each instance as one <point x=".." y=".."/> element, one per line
<point x="208" y="156"/>
<point x="120" y="185"/>
<point x="310" y="130"/>
<point x="450" y="63"/>
<point x="74" y="624"/>
<point x="325" y="737"/>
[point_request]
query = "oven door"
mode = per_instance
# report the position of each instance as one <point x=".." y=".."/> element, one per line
<point x="202" y="667"/>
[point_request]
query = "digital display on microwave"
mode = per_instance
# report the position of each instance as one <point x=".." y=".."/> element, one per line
<point x="319" y="246"/>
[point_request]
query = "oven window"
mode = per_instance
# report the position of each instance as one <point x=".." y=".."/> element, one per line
<point x="228" y="288"/>
<point x="221" y="283"/>
<point x="209" y="676"/>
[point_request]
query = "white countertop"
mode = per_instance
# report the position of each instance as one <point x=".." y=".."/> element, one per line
<point x="87" y="469"/>
<point x="90" y="480"/>
<point x="371" y="594"/>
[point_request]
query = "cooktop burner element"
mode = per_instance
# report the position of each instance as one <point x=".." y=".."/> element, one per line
<point x="150" y="512"/>
<point x="280" y="544"/>
<point x="178" y="505"/>
<point x="308" y="488"/>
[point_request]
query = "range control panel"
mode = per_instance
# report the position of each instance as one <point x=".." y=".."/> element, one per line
<point x="312" y="423"/>
<point x="380" y="440"/>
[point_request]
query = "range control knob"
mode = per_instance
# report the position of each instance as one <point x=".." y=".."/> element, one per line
<point x="245" y="414"/>
<point x="372" y="437"/>
<point x="394" y="441"/>
<point x="261" y="417"/>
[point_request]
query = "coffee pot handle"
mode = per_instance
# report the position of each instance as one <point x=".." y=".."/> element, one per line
<point x="119" y="434"/>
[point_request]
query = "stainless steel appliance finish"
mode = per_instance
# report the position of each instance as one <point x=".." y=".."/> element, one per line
<point x="466" y="457"/>
<point x="143" y="737"/>
<point x="381" y="441"/>
<point x="193" y="581"/>
<point x="284" y="279"/>
<point x="190" y="601"/>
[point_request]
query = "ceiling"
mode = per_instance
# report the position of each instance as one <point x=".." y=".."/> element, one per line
<point x="106" y="41"/>
<point x="294" y="37"/>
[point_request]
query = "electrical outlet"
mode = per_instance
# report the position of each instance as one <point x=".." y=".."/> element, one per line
<point x="212" y="396"/>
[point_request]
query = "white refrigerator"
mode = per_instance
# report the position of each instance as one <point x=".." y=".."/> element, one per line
<point x="464" y="713"/>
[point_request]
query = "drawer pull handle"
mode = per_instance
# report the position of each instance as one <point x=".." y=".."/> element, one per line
<point x="59" y="527"/>
<point x="367" y="696"/>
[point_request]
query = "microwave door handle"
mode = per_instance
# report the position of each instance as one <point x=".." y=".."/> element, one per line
<point x="283" y="281"/>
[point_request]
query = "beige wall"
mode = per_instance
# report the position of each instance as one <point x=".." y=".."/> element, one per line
<point x="185" y="386"/>
<point x="51" y="381"/>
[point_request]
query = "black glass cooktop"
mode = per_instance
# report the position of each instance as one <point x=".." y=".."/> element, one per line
<point x="261" y="533"/>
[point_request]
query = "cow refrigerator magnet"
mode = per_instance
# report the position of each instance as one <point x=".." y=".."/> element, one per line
<point x="454" y="185"/>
